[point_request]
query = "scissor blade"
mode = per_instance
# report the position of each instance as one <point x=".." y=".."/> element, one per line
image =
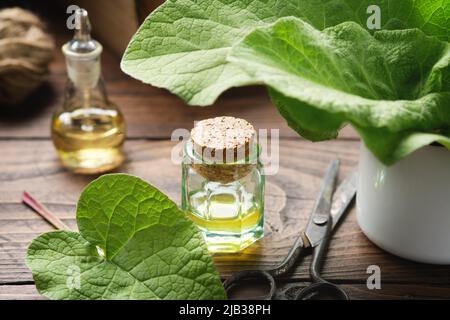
<point x="317" y="224"/>
<point x="343" y="197"/>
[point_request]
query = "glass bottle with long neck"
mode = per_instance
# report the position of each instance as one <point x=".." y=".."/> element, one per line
<point x="88" y="131"/>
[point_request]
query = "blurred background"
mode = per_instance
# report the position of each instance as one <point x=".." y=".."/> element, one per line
<point x="115" y="21"/>
<point x="151" y="112"/>
<point x="29" y="160"/>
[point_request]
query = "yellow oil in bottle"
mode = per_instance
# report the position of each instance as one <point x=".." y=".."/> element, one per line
<point x="88" y="130"/>
<point x="230" y="221"/>
<point x="245" y="221"/>
<point x="225" y="199"/>
<point x="89" y="140"/>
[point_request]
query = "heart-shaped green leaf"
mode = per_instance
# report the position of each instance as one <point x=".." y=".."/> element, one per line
<point x="134" y="243"/>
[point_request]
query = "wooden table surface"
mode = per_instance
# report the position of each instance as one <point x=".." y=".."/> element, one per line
<point x="29" y="162"/>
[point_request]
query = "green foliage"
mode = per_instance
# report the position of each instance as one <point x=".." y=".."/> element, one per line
<point x="392" y="86"/>
<point x="134" y="243"/>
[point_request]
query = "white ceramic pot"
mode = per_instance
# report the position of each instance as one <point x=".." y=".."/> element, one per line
<point x="405" y="208"/>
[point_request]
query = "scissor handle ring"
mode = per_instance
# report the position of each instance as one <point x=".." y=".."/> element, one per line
<point x="322" y="288"/>
<point x="248" y="275"/>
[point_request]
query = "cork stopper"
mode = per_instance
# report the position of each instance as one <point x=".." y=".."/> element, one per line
<point x="223" y="139"/>
<point x="226" y="147"/>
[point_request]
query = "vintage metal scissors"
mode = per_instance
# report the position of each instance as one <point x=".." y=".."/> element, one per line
<point x="327" y="212"/>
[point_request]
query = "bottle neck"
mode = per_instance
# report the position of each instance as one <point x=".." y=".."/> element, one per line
<point x="85" y="86"/>
<point x="219" y="172"/>
<point x="83" y="69"/>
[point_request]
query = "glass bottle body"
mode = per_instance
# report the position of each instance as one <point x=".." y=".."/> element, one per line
<point x="229" y="213"/>
<point x="88" y="131"/>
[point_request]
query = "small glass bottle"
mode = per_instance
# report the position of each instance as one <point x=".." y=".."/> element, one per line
<point x="88" y="131"/>
<point x="223" y="183"/>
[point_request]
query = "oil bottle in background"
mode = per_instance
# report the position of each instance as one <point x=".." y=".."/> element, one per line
<point x="88" y="131"/>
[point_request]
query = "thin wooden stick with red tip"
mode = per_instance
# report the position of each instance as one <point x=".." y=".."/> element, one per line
<point x="43" y="211"/>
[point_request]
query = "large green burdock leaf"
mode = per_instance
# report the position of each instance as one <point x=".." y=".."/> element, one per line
<point x="183" y="45"/>
<point x="134" y="243"/>
<point x="393" y="87"/>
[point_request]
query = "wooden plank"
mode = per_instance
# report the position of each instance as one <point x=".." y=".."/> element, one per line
<point x="150" y="112"/>
<point x="387" y="292"/>
<point x="19" y="292"/>
<point x="355" y="291"/>
<point x="32" y="165"/>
